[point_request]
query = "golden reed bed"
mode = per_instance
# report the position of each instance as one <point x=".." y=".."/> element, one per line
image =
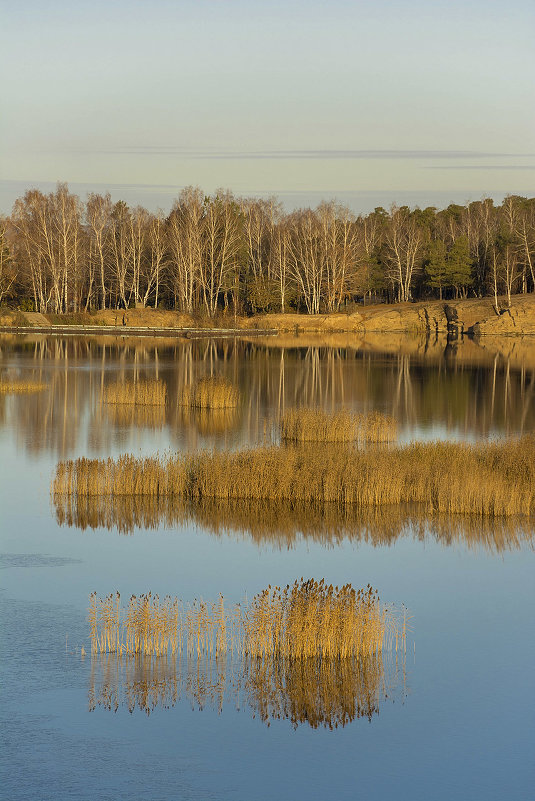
<point x="486" y="480"/>
<point x="315" y="425"/>
<point x="151" y="392"/>
<point x="211" y="392"/>
<point x="307" y="619"/>
<point x="20" y="387"/>
<point x="310" y="653"/>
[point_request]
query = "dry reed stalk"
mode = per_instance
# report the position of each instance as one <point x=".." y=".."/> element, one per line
<point x="485" y="480"/>
<point x="315" y="425"/>
<point x="210" y="393"/>
<point x="19" y="387"/>
<point x="152" y="392"/>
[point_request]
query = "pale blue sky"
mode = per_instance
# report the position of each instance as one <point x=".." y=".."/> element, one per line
<point x="371" y="102"/>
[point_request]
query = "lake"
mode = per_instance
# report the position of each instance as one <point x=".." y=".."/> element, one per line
<point x="449" y="716"/>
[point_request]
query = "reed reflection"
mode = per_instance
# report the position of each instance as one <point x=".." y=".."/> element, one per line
<point x="466" y="390"/>
<point x="285" y="525"/>
<point x="318" y="692"/>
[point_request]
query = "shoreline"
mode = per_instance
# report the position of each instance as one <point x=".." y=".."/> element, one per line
<point x="474" y="318"/>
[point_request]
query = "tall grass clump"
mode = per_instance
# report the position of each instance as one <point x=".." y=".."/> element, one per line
<point x="211" y="392"/>
<point x="308" y="619"/>
<point x="20" y="387"/>
<point x="136" y="393"/>
<point x="311" y="619"/>
<point x="486" y="480"/>
<point x="315" y="425"/>
<point x="151" y="476"/>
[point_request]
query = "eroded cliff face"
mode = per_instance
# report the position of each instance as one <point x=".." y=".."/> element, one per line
<point x="457" y="317"/>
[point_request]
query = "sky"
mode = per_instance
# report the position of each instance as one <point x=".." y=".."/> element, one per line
<point x="367" y="101"/>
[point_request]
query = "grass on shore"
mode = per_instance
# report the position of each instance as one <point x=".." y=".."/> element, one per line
<point x="486" y="480"/>
<point x="315" y="425"/>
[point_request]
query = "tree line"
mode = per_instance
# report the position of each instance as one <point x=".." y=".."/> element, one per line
<point x="58" y="254"/>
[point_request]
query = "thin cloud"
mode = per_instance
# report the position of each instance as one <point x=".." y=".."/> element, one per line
<point x="482" y="167"/>
<point x="215" y="154"/>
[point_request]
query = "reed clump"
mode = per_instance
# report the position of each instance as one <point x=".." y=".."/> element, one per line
<point x="151" y="476"/>
<point x="485" y="480"/>
<point x="308" y="619"/>
<point x="315" y="425"/>
<point x="20" y="387"/>
<point x="136" y="393"/>
<point x="210" y="392"/>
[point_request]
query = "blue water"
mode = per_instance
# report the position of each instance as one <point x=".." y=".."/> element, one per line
<point x="462" y="729"/>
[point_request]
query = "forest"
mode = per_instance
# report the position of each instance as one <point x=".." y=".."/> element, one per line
<point x="221" y="252"/>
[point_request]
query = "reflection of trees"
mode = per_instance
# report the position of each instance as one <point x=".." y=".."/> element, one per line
<point x="284" y="525"/>
<point x="467" y="397"/>
<point x="320" y="692"/>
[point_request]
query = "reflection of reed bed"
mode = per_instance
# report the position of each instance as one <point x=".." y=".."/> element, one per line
<point x="315" y="425"/>
<point x="307" y="619"/>
<point x="211" y="392"/>
<point x="283" y="525"/>
<point x="319" y="692"/>
<point x="486" y="479"/>
<point x="210" y="421"/>
<point x="151" y="392"/>
<point x="131" y="415"/>
<point x="123" y="512"/>
<point x="13" y="387"/>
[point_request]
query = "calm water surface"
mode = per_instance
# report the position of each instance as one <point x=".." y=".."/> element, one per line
<point x="454" y="718"/>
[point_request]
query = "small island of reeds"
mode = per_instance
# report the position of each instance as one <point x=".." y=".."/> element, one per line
<point x="307" y="619"/>
<point x="310" y="652"/>
<point x="16" y="386"/>
<point x="486" y="479"/>
<point x="210" y="392"/>
<point x="316" y="425"/>
<point x="152" y="392"/>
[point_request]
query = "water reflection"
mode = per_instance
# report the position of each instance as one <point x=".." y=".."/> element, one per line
<point x="317" y="692"/>
<point x="284" y="525"/>
<point x="461" y="391"/>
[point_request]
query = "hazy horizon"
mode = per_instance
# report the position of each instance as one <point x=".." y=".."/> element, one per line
<point x="371" y="103"/>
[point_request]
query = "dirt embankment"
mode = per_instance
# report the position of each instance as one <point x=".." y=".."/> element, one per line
<point x="475" y="317"/>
